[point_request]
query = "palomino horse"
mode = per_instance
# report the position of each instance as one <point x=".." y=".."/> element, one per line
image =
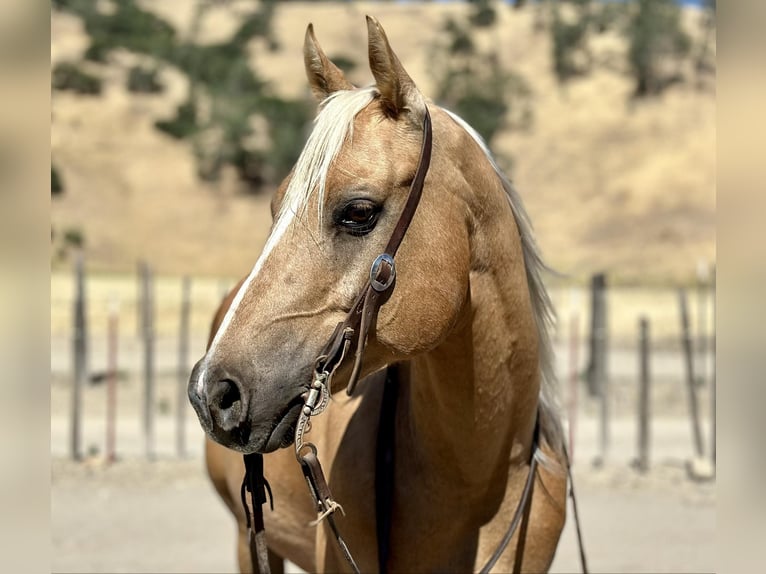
<point x="465" y="327"/>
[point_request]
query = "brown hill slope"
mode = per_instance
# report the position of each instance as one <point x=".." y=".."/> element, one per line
<point x="609" y="183"/>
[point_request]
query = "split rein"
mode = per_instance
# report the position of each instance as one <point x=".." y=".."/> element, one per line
<point x="356" y="325"/>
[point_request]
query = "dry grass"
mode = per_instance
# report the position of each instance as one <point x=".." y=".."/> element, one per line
<point x="610" y="183"/>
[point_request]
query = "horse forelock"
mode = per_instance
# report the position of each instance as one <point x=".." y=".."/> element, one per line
<point x="542" y="306"/>
<point x="332" y="126"/>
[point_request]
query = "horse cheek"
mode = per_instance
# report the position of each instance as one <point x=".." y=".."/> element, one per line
<point x="427" y="304"/>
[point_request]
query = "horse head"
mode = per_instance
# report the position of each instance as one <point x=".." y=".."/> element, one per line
<point x="332" y="216"/>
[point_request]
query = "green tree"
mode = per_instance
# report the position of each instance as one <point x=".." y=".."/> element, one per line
<point x="571" y="56"/>
<point x="226" y="100"/>
<point x="657" y="45"/>
<point x="472" y="82"/>
<point x="704" y="62"/>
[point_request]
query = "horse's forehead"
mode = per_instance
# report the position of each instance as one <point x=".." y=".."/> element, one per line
<point x="376" y="149"/>
<point x="372" y="126"/>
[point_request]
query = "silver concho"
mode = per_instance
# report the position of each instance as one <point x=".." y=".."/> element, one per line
<point x="379" y="260"/>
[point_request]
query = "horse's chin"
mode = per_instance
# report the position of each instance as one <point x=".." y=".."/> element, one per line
<point x="283" y="433"/>
<point x="249" y="440"/>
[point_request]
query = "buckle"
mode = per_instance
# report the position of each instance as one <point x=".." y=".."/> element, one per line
<point x="375" y="271"/>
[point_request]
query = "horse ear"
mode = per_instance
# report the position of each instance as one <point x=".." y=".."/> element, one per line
<point x="397" y="90"/>
<point x="324" y="77"/>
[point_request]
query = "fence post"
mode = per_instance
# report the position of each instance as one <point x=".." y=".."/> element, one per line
<point x="79" y="355"/>
<point x="147" y="306"/>
<point x="141" y="267"/>
<point x="574" y="343"/>
<point x="713" y="376"/>
<point x="183" y="363"/>
<point x="644" y="408"/>
<point x="113" y="342"/>
<point x="598" y="377"/>
<point x="703" y="277"/>
<point x="686" y="343"/>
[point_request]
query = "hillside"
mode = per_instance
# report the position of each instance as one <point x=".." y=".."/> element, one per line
<point x="610" y="183"/>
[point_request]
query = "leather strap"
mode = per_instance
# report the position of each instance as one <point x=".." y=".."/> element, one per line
<point x="384" y="465"/>
<point x="416" y="188"/>
<point x="326" y="505"/>
<point x="365" y="308"/>
<point x="580" y="543"/>
<point x="521" y="509"/>
<point x="256" y="485"/>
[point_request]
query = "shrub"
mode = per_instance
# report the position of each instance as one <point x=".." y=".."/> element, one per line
<point x="69" y="77"/>
<point x="183" y="125"/>
<point x="144" y="80"/>
<point x="571" y="56"/>
<point x="74" y="237"/>
<point x="657" y="41"/>
<point x="57" y="184"/>
<point x="472" y="83"/>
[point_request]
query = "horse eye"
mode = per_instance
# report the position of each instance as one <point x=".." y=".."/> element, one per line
<point x="358" y="217"/>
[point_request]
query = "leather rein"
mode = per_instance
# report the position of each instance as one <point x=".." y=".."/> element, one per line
<point x="355" y="327"/>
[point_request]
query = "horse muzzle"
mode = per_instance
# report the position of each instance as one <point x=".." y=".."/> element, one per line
<point x="238" y="415"/>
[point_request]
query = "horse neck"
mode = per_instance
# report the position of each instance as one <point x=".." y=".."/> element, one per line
<point x="472" y="401"/>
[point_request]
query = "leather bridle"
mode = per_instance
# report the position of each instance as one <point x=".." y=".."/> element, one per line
<point x="355" y="327"/>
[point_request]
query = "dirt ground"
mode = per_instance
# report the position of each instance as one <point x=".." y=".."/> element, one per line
<point x="163" y="516"/>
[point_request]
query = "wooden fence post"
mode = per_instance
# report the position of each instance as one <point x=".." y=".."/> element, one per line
<point x="574" y="343"/>
<point x="113" y="342"/>
<point x="147" y="306"/>
<point x="703" y="278"/>
<point x="713" y="377"/>
<point x="183" y="365"/>
<point x="141" y="267"/>
<point x="79" y="356"/>
<point x="644" y="395"/>
<point x="598" y="377"/>
<point x="686" y="343"/>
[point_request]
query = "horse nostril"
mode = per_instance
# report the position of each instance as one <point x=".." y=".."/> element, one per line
<point x="226" y="404"/>
<point x="229" y="396"/>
